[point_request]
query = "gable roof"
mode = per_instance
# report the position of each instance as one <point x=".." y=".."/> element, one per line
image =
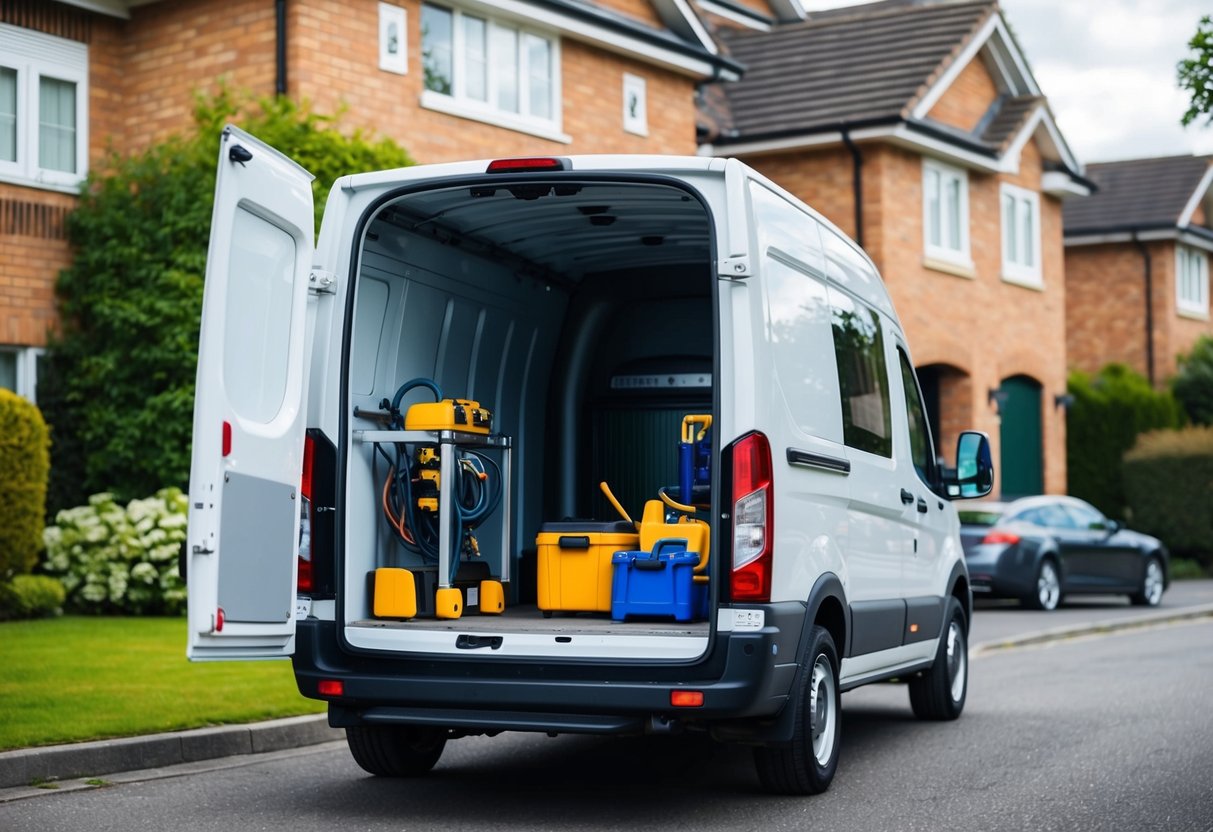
<point x="1141" y="195"/>
<point x="875" y="71"/>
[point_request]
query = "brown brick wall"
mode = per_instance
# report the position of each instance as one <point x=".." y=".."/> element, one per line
<point x="33" y="249"/>
<point x="329" y="73"/>
<point x="641" y="10"/>
<point x="1106" y="309"/>
<point x="967" y="99"/>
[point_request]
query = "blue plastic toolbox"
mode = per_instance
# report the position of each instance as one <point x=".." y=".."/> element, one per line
<point x="658" y="584"/>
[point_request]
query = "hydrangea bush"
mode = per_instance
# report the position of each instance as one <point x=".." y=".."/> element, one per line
<point x="115" y="559"/>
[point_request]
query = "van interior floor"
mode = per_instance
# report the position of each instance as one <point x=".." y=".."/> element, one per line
<point x="528" y="619"/>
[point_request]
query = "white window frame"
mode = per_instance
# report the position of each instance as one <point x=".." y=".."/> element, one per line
<point x="1191" y="282"/>
<point x="459" y="104"/>
<point x="27" y="369"/>
<point x="954" y="256"/>
<point x="1013" y="269"/>
<point x="393" y="17"/>
<point x="634" y="87"/>
<point x="34" y="55"/>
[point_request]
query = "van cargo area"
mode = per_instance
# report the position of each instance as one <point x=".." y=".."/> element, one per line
<point x="576" y="317"/>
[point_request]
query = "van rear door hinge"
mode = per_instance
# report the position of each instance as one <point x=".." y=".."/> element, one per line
<point x="320" y="282"/>
<point x="735" y="267"/>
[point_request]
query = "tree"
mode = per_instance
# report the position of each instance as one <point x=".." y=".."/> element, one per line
<point x="118" y="385"/>
<point x="1196" y="74"/>
<point x="1193" y="384"/>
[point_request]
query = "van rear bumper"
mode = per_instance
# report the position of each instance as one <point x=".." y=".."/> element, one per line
<point x="746" y="674"/>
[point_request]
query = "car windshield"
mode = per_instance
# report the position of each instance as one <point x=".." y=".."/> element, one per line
<point x="979" y="517"/>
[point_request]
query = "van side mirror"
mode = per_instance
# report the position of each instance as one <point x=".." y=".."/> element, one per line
<point x="974" y="475"/>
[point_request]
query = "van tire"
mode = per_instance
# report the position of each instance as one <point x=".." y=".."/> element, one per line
<point x="939" y="693"/>
<point x="396" y="750"/>
<point x="803" y="767"/>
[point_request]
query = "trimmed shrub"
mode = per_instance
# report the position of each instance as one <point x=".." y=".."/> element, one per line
<point x="1193" y="384"/>
<point x="31" y="596"/>
<point x="1108" y="413"/>
<point x="24" y="455"/>
<point x="1169" y="484"/>
<point x="120" y="560"/>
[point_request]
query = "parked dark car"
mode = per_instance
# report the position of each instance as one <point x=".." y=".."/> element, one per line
<point x="1040" y="549"/>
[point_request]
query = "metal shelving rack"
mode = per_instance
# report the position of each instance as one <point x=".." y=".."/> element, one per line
<point x="450" y="440"/>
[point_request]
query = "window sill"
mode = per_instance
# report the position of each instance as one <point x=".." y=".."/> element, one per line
<point x="1026" y="282"/>
<point x="451" y="107"/>
<point x="955" y="269"/>
<point x="1192" y="314"/>
<point x="72" y="188"/>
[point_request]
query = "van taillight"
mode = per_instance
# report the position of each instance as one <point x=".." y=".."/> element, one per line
<point x="304" y="581"/>
<point x="753" y="516"/>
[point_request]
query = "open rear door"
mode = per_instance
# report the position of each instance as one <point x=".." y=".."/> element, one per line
<point x="248" y="407"/>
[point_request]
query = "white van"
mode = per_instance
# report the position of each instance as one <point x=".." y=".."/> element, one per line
<point x="387" y="423"/>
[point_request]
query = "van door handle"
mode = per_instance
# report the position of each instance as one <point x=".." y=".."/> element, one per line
<point x="906" y="497"/>
<point x="922" y="506"/>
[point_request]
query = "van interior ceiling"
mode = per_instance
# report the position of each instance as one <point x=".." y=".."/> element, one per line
<point x="578" y="312"/>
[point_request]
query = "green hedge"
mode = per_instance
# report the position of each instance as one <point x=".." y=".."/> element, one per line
<point x="31" y="596"/>
<point x="1169" y="484"/>
<point x="24" y="455"/>
<point x="1110" y="410"/>
<point x="1193" y="384"/>
<point x="120" y="559"/>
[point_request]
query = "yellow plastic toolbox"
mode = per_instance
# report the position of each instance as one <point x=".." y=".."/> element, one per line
<point x="575" y="563"/>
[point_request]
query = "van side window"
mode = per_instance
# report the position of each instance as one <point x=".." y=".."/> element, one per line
<point x="863" y="379"/>
<point x="920" y="433"/>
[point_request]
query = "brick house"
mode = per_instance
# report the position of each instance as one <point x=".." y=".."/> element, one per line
<point x="918" y="128"/>
<point x="448" y="79"/>
<point x="1137" y="264"/>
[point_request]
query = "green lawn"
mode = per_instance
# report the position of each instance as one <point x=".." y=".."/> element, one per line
<point x="71" y="679"/>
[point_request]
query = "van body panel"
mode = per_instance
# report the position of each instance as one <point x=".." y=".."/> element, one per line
<point x="588" y="306"/>
<point x="249" y="409"/>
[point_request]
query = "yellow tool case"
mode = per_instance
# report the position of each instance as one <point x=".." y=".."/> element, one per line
<point x="575" y="563"/>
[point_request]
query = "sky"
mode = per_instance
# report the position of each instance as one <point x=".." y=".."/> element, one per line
<point x="1108" y="70"/>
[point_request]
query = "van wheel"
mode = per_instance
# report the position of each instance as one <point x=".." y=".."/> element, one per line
<point x="396" y="750"/>
<point x="939" y="693"/>
<point x="807" y="765"/>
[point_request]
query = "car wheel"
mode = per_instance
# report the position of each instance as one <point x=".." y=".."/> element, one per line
<point x="1150" y="594"/>
<point x="807" y="765"/>
<point x="1046" y="591"/>
<point x="396" y="750"/>
<point x="939" y="693"/>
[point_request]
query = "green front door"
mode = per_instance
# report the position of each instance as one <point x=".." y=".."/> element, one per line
<point x="1022" y="460"/>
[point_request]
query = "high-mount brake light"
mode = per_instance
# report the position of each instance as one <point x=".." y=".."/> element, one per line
<point x="753" y="519"/>
<point x="529" y="163"/>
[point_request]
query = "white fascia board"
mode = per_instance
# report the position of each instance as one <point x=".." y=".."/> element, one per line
<point x="1062" y="185"/>
<point x="1098" y="239"/>
<point x="681" y="18"/>
<point x="113" y="8"/>
<point x="943" y="82"/>
<point x="1059" y="141"/>
<point x="930" y="146"/>
<point x="771" y="145"/>
<point x="1010" y="158"/>
<point x="1195" y="241"/>
<point x="1185" y="218"/>
<point x="788" y="11"/>
<point x="590" y="32"/>
<point x="736" y="17"/>
<point x="1024" y="83"/>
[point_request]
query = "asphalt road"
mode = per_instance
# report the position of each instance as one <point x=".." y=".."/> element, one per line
<point x="1103" y="732"/>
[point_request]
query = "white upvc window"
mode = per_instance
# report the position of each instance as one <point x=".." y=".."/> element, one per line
<point x="1191" y="281"/>
<point x="43" y="109"/>
<point x="491" y="71"/>
<point x="1020" y="235"/>
<point x="19" y="370"/>
<point x="945" y="213"/>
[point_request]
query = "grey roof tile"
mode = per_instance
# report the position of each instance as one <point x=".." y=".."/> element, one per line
<point x="845" y="66"/>
<point x="1137" y="193"/>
